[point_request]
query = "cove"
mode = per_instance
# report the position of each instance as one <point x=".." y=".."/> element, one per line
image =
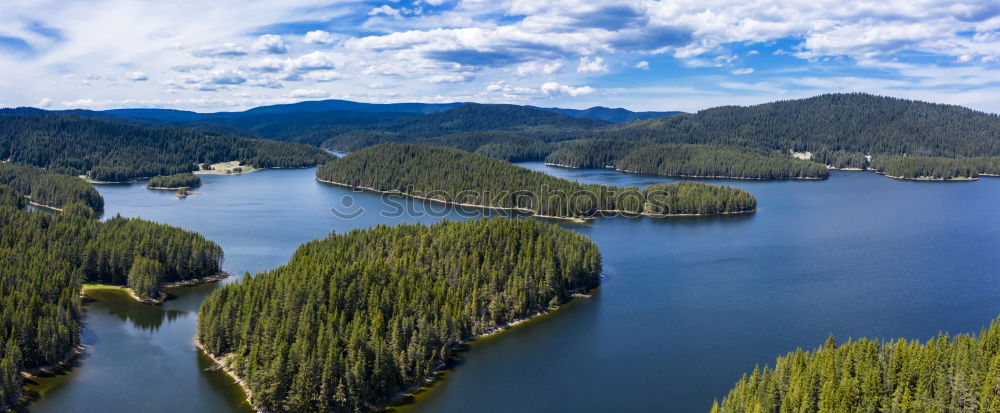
<point x="687" y="305"/>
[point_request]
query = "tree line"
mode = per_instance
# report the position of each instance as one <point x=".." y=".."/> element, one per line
<point x="117" y="152"/>
<point x="945" y="374"/>
<point x="50" y="189"/>
<point x="354" y="319"/>
<point x="45" y="258"/>
<point x="455" y="176"/>
<point x="685" y="160"/>
<point x="182" y="180"/>
<point x="923" y="167"/>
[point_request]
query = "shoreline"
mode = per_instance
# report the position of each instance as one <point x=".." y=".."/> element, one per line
<point x="579" y="220"/>
<point x="425" y="382"/>
<point x="164" y="188"/>
<point x="740" y="178"/>
<point x="34" y="372"/>
<point x="163" y="293"/>
<point x="932" y="179"/>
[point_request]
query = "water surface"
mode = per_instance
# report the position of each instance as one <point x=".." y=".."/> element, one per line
<point x="687" y="305"/>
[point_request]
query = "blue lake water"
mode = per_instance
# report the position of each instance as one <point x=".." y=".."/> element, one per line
<point x="687" y="304"/>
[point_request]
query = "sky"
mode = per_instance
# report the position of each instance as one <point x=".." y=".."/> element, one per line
<point x="225" y="55"/>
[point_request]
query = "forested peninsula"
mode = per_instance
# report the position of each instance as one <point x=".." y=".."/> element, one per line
<point x="355" y="319"/>
<point x="46" y="257"/>
<point x="52" y="190"/>
<point x="685" y="160"/>
<point x="457" y="177"/>
<point x="117" y="152"/>
<point x="946" y="374"/>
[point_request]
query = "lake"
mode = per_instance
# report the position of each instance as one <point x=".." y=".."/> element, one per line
<point x="686" y="306"/>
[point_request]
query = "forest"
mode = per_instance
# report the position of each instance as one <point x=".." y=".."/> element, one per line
<point x="922" y="167"/>
<point x="117" y="152"/>
<point x="175" y="181"/>
<point x="45" y="257"/>
<point x="50" y="189"/>
<point x="354" y="319"/>
<point x="455" y="176"/>
<point x="706" y="161"/>
<point x="945" y="374"/>
<point x="853" y="122"/>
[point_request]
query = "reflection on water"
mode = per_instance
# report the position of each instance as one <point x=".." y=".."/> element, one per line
<point x="141" y="316"/>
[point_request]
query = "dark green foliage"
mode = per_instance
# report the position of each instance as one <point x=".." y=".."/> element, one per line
<point x="46" y="188"/>
<point x="945" y="374"/>
<point x="474" y="124"/>
<point x="985" y="165"/>
<point x="590" y="153"/>
<point x="850" y="122"/>
<point x="354" y="319"/>
<point x="45" y="257"/>
<point x="683" y="160"/>
<point x="715" y="161"/>
<point x="920" y="167"/>
<point x="77" y="208"/>
<point x="116" y="152"/>
<point x="452" y="175"/>
<point x="184" y="180"/>
<point x="10" y="197"/>
<point x="144" y="278"/>
<point x="841" y="159"/>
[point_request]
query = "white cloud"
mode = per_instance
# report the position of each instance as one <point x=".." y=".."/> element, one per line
<point x="556" y="89"/>
<point x="226" y="50"/>
<point x="447" y="78"/>
<point x="595" y="65"/>
<point x="309" y="93"/>
<point x="384" y="9"/>
<point x="643" y="65"/>
<point x="535" y="68"/>
<point x="270" y="43"/>
<point x="319" y="37"/>
<point x="742" y="71"/>
<point x="136" y="76"/>
<point x="44" y="103"/>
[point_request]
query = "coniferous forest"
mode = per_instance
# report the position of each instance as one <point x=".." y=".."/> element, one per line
<point x="354" y="319"/>
<point x="686" y="160"/>
<point x="182" y="180"/>
<point x="45" y="258"/>
<point x="921" y="167"/>
<point x="50" y="189"/>
<point x="945" y="374"/>
<point x="454" y="176"/>
<point x="116" y="152"/>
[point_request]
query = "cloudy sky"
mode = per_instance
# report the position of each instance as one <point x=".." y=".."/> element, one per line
<point x="641" y="55"/>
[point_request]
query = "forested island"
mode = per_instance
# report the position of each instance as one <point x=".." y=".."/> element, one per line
<point x="686" y="160"/>
<point x="945" y="374"/>
<point x="355" y="319"/>
<point x="109" y="151"/>
<point x="46" y="257"/>
<point x="175" y="181"/>
<point x="457" y="177"/>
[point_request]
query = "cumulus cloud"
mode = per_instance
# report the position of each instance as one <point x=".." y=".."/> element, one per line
<point x="742" y="71"/>
<point x="136" y="76"/>
<point x="447" y="78"/>
<point x="556" y="89"/>
<point x="384" y="9"/>
<point x="319" y="37"/>
<point x="270" y="43"/>
<point x="595" y="65"/>
<point x="44" y="103"/>
<point x="642" y="65"/>
<point x="535" y="68"/>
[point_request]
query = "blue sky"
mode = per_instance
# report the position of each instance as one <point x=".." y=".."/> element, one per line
<point x="641" y="55"/>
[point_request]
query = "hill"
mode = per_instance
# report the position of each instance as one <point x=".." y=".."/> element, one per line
<point x="113" y="151"/>
<point x="610" y="115"/>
